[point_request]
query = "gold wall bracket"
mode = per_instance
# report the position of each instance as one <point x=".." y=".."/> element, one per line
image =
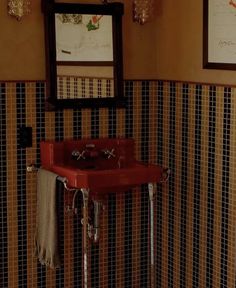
<point x="143" y="11"/>
<point x="18" y="8"/>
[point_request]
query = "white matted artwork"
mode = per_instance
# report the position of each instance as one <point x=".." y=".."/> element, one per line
<point x="83" y="37"/>
<point x="219" y="34"/>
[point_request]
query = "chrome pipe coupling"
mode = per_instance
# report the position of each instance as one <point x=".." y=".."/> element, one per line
<point x="165" y="175"/>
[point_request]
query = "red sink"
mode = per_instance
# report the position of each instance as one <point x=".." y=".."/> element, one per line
<point x="100" y="165"/>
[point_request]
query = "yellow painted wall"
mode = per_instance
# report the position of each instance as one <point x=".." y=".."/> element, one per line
<point x="22" y="45"/>
<point x="170" y="47"/>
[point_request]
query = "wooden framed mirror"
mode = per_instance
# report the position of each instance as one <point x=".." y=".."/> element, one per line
<point x="84" y="59"/>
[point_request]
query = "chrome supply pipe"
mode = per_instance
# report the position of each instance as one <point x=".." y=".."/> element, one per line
<point x="151" y="221"/>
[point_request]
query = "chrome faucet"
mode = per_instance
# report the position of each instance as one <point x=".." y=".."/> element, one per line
<point x="109" y="153"/>
<point x="76" y="154"/>
<point x="90" y="153"/>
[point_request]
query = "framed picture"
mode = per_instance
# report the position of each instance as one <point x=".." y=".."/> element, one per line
<point x="219" y="34"/>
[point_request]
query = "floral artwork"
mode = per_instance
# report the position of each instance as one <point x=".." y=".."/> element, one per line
<point x="231" y="2"/>
<point x="93" y="23"/>
<point x="70" y="18"/>
<point x="219" y="34"/>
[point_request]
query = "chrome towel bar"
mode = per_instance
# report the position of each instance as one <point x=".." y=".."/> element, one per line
<point x="32" y="168"/>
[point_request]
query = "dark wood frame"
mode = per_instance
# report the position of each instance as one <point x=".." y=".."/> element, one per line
<point x="116" y="10"/>
<point x="206" y="63"/>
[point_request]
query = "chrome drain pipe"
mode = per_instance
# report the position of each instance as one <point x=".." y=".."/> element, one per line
<point x="85" y="223"/>
<point x="96" y="227"/>
<point x="151" y="224"/>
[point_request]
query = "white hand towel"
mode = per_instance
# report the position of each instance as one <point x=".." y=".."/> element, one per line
<point x="46" y="235"/>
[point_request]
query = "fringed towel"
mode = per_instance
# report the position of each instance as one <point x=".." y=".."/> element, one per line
<point x="46" y="235"/>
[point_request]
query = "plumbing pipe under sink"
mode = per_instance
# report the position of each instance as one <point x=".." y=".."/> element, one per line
<point x="85" y="193"/>
<point x="151" y="224"/>
<point x="96" y="227"/>
<point x="96" y="222"/>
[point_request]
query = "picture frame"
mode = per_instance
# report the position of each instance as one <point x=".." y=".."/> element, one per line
<point x="219" y="37"/>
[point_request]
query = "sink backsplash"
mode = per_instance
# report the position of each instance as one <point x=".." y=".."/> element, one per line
<point x="102" y="153"/>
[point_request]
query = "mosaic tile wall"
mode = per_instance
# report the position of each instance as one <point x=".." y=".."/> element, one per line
<point x="189" y="128"/>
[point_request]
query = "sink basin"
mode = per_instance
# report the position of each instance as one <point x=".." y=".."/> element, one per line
<point x="100" y="165"/>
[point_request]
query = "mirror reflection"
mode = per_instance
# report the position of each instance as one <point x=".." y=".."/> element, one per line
<point x="83" y="37"/>
<point x="84" y="56"/>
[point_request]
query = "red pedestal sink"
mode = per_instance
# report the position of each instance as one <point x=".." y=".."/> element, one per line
<point x="100" y="165"/>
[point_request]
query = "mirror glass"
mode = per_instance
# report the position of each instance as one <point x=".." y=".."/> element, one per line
<point x="84" y="54"/>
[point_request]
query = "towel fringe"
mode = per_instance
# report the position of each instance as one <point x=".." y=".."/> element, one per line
<point x="44" y="259"/>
